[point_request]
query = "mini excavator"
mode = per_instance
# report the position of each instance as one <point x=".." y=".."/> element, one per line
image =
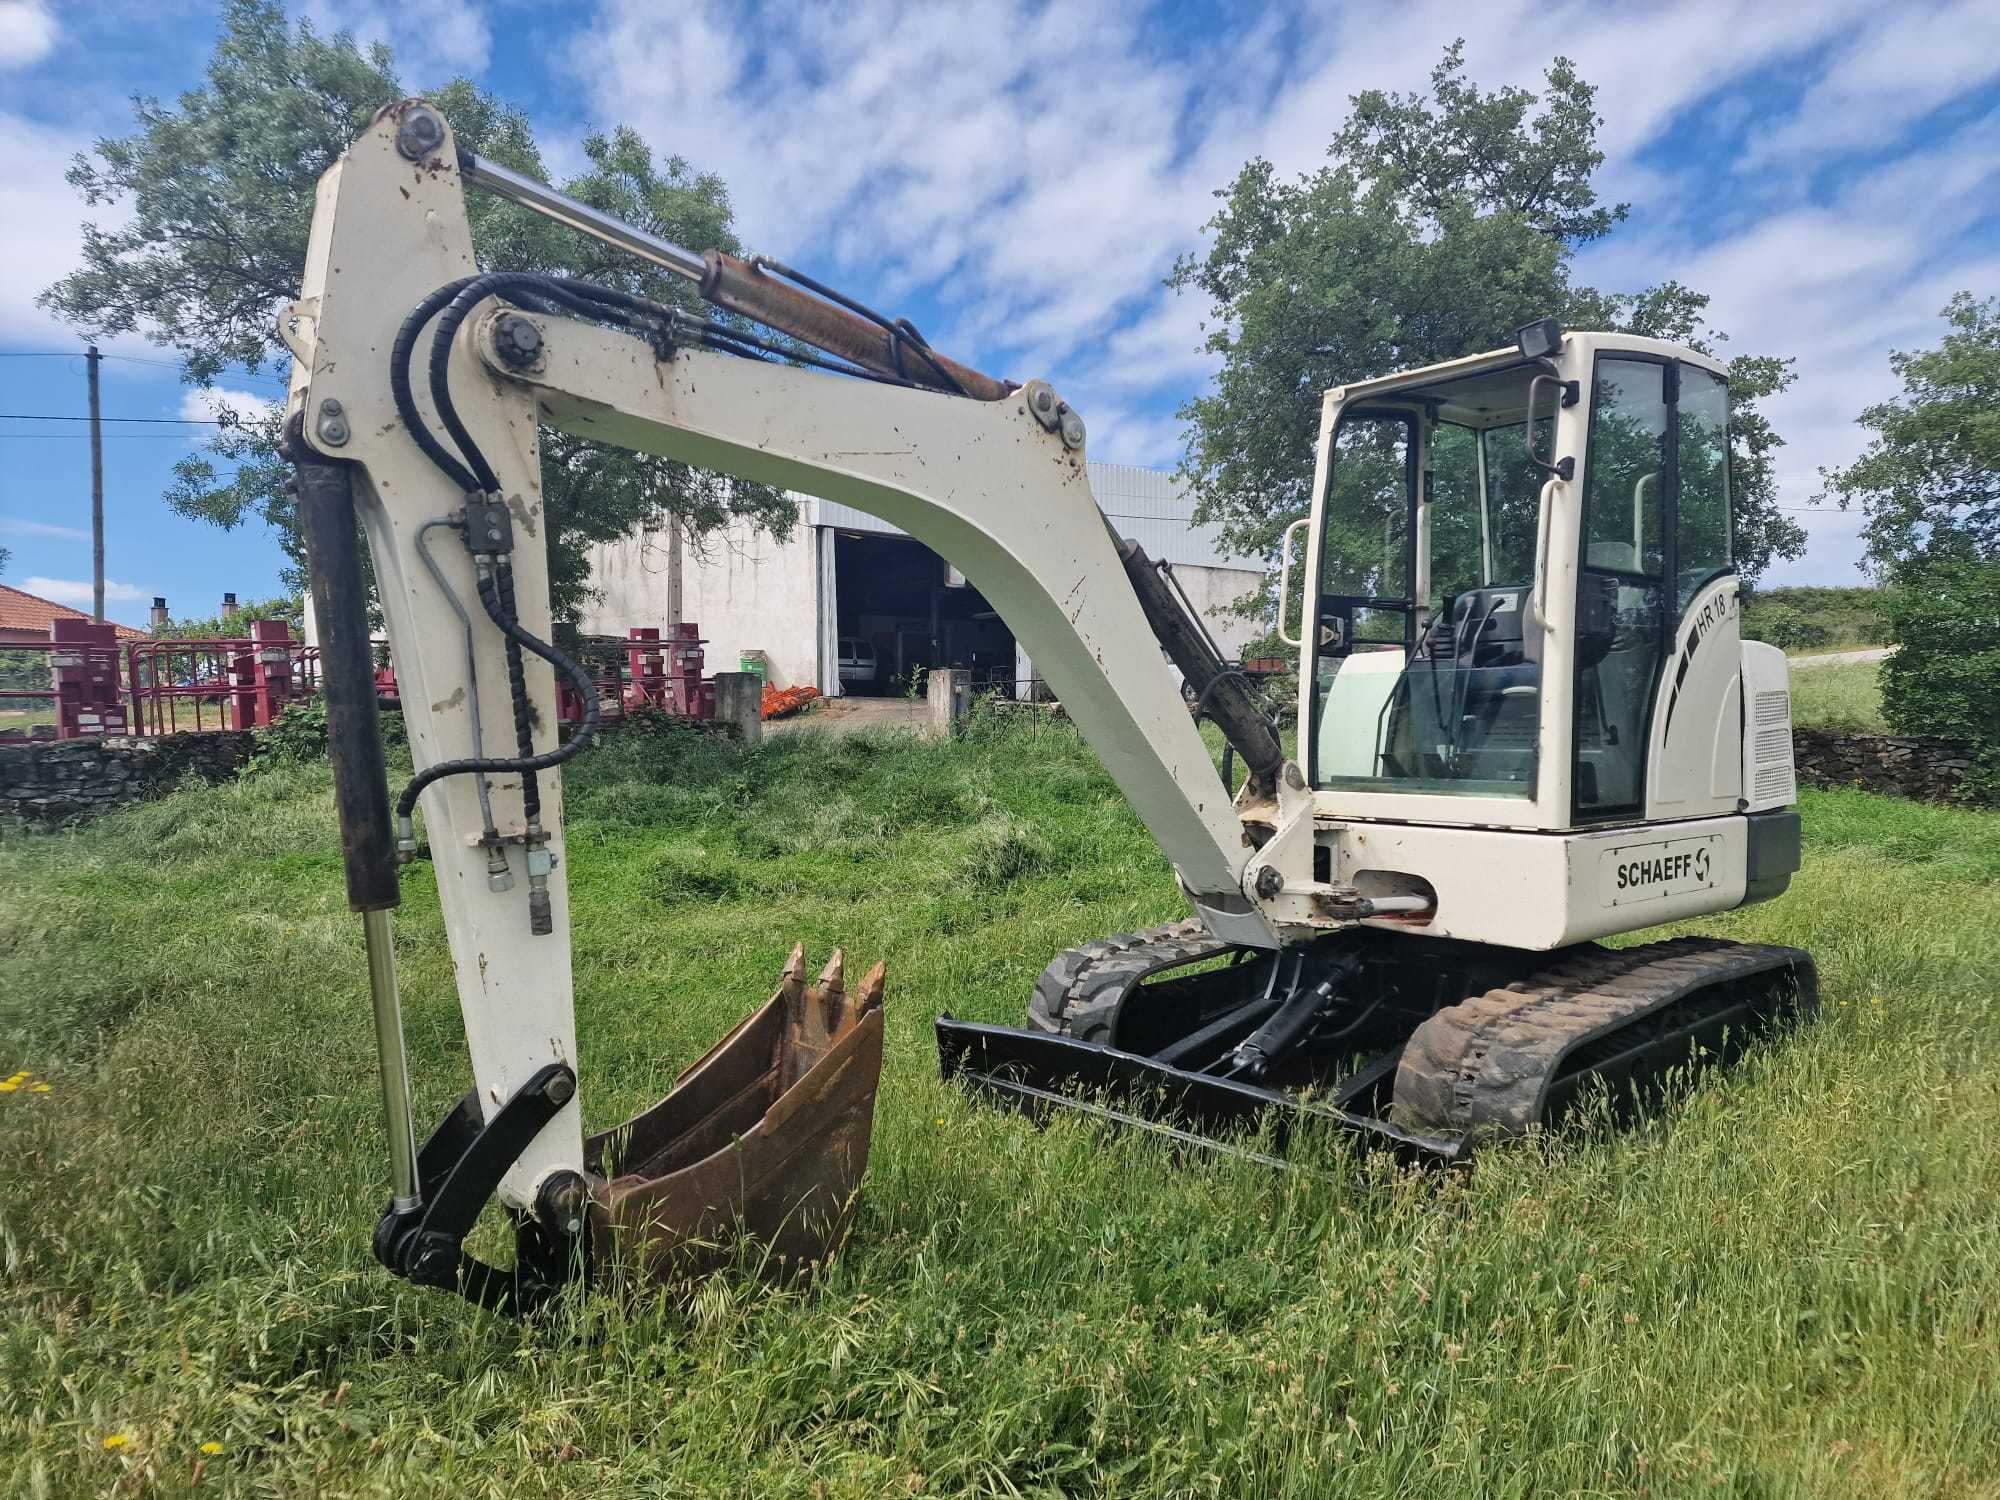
<point x="1526" y="722"/>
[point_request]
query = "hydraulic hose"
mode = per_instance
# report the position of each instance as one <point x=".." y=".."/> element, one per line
<point x="471" y="665"/>
<point x="399" y="381"/>
<point x="489" y="595"/>
<point x="501" y="608"/>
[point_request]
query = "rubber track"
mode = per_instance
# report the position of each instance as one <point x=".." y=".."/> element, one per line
<point x="1080" y="991"/>
<point x="1485" y="1064"/>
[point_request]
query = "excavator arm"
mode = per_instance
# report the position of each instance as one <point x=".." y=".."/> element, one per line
<point x="418" y="392"/>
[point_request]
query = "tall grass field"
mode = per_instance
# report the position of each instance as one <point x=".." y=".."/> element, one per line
<point x="1845" y="695"/>
<point x="1785" y="1284"/>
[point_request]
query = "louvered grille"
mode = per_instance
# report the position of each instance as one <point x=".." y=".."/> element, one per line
<point x="1772" y="781"/>
<point x="1774" y="784"/>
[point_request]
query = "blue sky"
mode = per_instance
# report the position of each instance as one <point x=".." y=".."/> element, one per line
<point x="1019" y="178"/>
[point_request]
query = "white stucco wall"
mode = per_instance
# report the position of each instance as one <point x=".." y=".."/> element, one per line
<point x="744" y="589"/>
<point x="1214" y="592"/>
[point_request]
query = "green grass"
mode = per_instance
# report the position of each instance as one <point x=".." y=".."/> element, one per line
<point x="1846" y="696"/>
<point x="1785" y="1287"/>
<point x="23" y="720"/>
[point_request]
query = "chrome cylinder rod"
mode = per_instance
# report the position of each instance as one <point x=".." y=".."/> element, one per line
<point x="380" y="937"/>
<point x="503" y="182"/>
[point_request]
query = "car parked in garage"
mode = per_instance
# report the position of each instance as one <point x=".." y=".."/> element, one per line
<point x="857" y="662"/>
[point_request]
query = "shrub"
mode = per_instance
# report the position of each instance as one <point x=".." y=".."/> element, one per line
<point x="1840" y="616"/>
<point x="297" y="736"/>
<point x="1785" y="627"/>
<point x="1945" y="676"/>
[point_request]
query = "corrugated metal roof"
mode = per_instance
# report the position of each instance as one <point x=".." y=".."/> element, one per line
<point x="1148" y="505"/>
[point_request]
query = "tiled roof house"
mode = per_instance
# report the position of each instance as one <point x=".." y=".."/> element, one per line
<point x="25" y="617"/>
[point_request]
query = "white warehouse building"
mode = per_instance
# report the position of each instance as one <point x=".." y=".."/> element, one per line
<point x="844" y="584"/>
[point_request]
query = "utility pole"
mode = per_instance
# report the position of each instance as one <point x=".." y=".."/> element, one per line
<point x="675" y="578"/>
<point x="96" y="494"/>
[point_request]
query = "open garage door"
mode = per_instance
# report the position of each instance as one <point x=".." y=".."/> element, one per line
<point x="898" y="611"/>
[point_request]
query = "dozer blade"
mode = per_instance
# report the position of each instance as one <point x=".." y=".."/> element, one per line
<point x="1044" y="1076"/>
<point x="765" y="1138"/>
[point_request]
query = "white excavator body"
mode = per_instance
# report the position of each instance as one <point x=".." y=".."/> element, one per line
<point x="1525" y="716"/>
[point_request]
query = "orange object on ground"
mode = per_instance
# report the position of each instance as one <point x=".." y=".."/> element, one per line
<point x="781" y="701"/>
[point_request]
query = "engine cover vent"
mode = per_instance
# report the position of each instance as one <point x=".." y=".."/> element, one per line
<point x="1769" y="776"/>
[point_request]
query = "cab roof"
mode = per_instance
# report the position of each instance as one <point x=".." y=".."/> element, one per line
<point x="1461" y="374"/>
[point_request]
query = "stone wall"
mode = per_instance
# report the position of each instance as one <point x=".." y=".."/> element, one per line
<point x="1903" y="765"/>
<point x="55" y="782"/>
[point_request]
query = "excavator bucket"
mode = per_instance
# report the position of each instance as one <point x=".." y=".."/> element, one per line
<point x="765" y="1138"/>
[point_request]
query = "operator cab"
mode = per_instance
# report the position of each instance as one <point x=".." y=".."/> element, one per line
<point x="1505" y="548"/>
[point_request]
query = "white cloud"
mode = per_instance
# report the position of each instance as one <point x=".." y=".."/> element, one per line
<point x="39" y="218"/>
<point x="1042" y="167"/>
<point x="27" y="33"/>
<point x="1035" y="170"/>
<point x="213" y="403"/>
<point x="1906" y="62"/>
<point x="431" y="43"/>
<point x="1035" y="162"/>
<point x="13" y="526"/>
<point x="76" y="593"/>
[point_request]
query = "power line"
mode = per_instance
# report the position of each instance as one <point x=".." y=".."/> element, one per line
<point x="35" y="416"/>
<point x="130" y="359"/>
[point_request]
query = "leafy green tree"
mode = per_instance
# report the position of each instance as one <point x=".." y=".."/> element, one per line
<point x="1929" y="486"/>
<point x="1440" y="222"/>
<point x="219" y="188"/>
<point x="1929" y="481"/>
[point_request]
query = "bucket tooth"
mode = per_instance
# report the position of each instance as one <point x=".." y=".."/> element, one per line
<point x="792" y="982"/>
<point x="765" y="1138"/>
<point x="831" y="992"/>
<point x="832" y="978"/>
<point x="870" y="997"/>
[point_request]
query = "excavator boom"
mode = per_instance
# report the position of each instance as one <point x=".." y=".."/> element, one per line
<point x="418" y="391"/>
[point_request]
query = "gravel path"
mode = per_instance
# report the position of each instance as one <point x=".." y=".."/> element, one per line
<point x="1842" y="658"/>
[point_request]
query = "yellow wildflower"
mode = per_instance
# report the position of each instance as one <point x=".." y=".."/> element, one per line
<point x="116" y="1440"/>
<point x="8" y="1085"/>
<point x="20" y="1078"/>
<point x="211" y="1449"/>
<point x="38" y="1088"/>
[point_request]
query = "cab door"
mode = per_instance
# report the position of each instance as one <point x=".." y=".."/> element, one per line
<point x="1654" y="583"/>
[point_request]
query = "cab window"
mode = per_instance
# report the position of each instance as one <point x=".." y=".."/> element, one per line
<point x="1701" y="532"/>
